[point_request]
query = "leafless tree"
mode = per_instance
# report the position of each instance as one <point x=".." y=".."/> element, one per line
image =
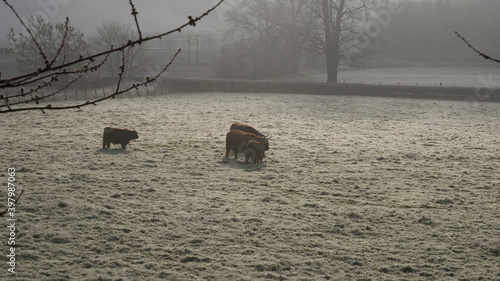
<point x="31" y="84"/>
<point x="338" y="28"/>
<point x="256" y="20"/>
<point x="269" y="33"/>
<point x="49" y="37"/>
<point x="112" y="33"/>
<point x="331" y="28"/>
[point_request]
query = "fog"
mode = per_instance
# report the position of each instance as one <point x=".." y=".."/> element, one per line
<point x="418" y="33"/>
<point x="389" y="172"/>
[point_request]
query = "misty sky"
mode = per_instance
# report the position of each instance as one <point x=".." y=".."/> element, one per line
<point x="154" y="15"/>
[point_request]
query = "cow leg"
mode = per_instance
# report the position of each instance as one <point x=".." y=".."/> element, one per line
<point x="235" y="150"/>
<point x="124" y="145"/>
<point x="228" y="150"/>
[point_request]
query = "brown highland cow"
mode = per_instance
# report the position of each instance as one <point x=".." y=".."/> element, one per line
<point x="237" y="141"/>
<point x="236" y="126"/>
<point x="245" y="128"/>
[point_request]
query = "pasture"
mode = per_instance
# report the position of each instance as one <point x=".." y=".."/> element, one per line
<point x="352" y="188"/>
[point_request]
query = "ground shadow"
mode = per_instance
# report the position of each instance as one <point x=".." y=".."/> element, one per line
<point x="113" y="151"/>
<point x="240" y="164"/>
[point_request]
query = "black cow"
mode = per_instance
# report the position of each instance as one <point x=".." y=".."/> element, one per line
<point x="118" y="136"/>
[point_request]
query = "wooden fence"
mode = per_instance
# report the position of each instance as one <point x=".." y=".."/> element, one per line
<point x="85" y="93"/>
<point x="425" y="92"/>
<point x="88" y="92"/>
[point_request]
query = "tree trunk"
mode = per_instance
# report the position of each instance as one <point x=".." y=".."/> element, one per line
<point x="332" y="39"/>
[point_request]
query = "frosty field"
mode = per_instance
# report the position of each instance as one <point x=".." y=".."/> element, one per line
<point x="351" y="189"/>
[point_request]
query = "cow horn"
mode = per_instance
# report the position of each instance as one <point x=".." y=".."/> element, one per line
<point x="269" y="137"/>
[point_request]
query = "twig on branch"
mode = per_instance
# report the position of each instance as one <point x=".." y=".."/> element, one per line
<point x="36" y="98"/>
<point x="135" y="13"/>
<point x="56" y="74"/>
<point x="95" y="101"/>
<point x="485" y="56"/>
<point x="63" y="41"/>
<point x="122" y="71"/>
<point x="8" y="100"/>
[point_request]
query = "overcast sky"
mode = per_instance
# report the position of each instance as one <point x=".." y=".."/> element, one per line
<point x="154" y="15"/>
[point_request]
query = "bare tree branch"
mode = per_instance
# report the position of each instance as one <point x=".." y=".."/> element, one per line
<point x="55" y="74"/>
<point x="135" y="13"/>
<point x="50" y="72"/>
<point x="95" y="101"/>
<point x="485" y="56"/>
<point x="112" y="49"/>
<point x="42" y="53"/>
<point x="63" y="41"/>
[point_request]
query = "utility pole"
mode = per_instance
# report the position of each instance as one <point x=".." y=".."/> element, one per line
<point x="196" y="41"/>
<point x="197" y="56"/>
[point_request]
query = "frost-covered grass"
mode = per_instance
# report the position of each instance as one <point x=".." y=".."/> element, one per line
<point x="351" y="189"/>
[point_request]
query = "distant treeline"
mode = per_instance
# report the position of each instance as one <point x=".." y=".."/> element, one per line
<point x="424" y="31"/>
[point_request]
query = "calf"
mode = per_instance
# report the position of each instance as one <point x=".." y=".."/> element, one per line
<point x="237" y="141"/>
<point x="117" y="136"/>
<point x="254" y="150"/>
